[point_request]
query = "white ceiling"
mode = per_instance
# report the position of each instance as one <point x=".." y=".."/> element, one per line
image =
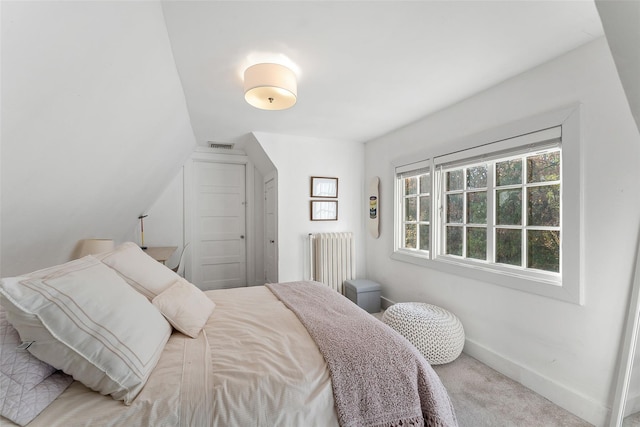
<point x="364" y="67"/>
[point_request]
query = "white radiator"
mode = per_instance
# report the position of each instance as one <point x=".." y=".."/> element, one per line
<point x="333" y="258"/>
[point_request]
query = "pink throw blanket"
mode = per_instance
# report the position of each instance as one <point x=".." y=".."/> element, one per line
<point x="379" y="379"/>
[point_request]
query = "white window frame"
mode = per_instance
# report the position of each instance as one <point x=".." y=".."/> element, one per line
<point x="566" y="285"/>
<point x="402" y="172"/>
<point x="512" y="148"/>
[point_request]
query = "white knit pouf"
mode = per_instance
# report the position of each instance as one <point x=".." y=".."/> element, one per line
<point x="434" y="331"/>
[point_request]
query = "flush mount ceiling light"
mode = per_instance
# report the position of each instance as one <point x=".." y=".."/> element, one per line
<point x="270" y="86"/>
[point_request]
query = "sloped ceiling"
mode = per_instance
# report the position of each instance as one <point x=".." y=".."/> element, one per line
<point x="365" y="68"/>
<point x="94" y="124"/>
<point x="103" y="101"/>
<point x="621" y="21"/>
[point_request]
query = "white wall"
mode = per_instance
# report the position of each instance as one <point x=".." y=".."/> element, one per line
<point x="95" y="124"/>
<point x="258" y="229"/>
<point x="297" y="160"/>
<point x="564" y="351"/>
<point x="621" y="22"/>
<point x="263" y="166"/>
<point x="164" y="225"/>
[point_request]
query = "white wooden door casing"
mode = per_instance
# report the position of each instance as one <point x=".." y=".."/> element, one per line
<point x="271" y="230"/>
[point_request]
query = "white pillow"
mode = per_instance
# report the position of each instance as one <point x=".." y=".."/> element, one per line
<point x="27" y="384"/>
<point x="143" y="273"/>
<point x="185" y="306"/>
<point x="85" y="320"/>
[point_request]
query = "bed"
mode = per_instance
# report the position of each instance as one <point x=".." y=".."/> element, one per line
<point x="291" y="354"/>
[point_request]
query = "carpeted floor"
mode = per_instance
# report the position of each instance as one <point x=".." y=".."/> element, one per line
<point x="632" y="420"/>
<point x="483" y="397"/>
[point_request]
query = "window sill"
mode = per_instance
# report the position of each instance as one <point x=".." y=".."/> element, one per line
<point x="551" y="288"/>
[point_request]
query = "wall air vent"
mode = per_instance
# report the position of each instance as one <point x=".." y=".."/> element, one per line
<point x="220" y="145"/>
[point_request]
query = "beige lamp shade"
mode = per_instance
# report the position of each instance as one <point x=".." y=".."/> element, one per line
<point x="270" y="86"/>
<point x="94" y="246"/>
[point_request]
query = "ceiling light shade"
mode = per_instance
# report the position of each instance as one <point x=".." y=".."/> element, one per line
<point x="270" y="86"/>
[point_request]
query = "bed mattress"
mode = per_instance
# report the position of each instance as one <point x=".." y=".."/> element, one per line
<point x="254" y="365"/>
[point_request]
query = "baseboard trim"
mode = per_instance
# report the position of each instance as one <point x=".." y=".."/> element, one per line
<point x="386" y="303"/>
<point x="632" y="406"/>
<point x="584" y="407"/>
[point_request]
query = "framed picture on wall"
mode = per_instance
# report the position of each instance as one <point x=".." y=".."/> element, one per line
<point x="324" y="210"/>
<point x="324" y="187"/>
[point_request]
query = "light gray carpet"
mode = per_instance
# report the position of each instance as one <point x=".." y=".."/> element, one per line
<point x="483" y="397"/>
<point x="632" y="420"/>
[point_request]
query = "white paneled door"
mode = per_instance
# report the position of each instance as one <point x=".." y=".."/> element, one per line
<point x="219" y="225"/>
<point x="271" y="219"/>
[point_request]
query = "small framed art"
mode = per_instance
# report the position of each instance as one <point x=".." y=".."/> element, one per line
<point x="324" y="187"/>
<point x="324" y="210"/>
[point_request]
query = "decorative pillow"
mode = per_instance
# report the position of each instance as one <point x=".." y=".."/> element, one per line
<point x="27" y="385"/>
<point x="84" y="319"/>
<point x="185" y="306"/>
<point x="143" y="273"/>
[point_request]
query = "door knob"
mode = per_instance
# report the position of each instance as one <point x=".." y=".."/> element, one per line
<point x="242" y="237"/>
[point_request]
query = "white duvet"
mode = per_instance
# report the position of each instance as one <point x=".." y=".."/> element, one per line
<point x="267" y="371"/>
<point x="254" y="365"/>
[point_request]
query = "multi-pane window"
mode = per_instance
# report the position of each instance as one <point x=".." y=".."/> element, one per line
<point x="528" y="211"/>
<point x="417" y="211"/>
<point x="465" y="223"/>
<point x="415" y="223"/>
<point x="503" y="207"/>
<point x="505" y="210"/>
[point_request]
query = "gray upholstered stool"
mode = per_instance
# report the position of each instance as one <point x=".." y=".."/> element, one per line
<point x="365" y="293"/>
<point x="434" y="331"/>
